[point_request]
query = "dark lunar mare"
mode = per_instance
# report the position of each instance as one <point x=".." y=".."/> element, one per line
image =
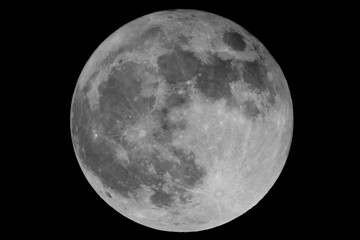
<point x="235" y="40"/>
<point x="255" y="76"/>
<point x="212" y="79"/>
<point x="251" y="110"/>
<point x="174" y="100"/>
<point x="120" y="105"/>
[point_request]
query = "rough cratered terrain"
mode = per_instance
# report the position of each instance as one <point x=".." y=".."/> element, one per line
<point x="181" y="120"/>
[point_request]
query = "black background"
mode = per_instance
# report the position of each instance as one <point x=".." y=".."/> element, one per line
<point x="61" y="38"/>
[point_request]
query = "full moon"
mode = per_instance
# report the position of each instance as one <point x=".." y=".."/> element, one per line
<point x="181" y="120"/>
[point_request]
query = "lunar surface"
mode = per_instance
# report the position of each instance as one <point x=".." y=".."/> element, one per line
<point x="181" y="120"/>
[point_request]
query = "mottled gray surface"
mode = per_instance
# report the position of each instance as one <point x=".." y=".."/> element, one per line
<point x="181" y="120"/>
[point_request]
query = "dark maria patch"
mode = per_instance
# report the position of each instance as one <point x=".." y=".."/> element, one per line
<point x="235" y="40"/>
